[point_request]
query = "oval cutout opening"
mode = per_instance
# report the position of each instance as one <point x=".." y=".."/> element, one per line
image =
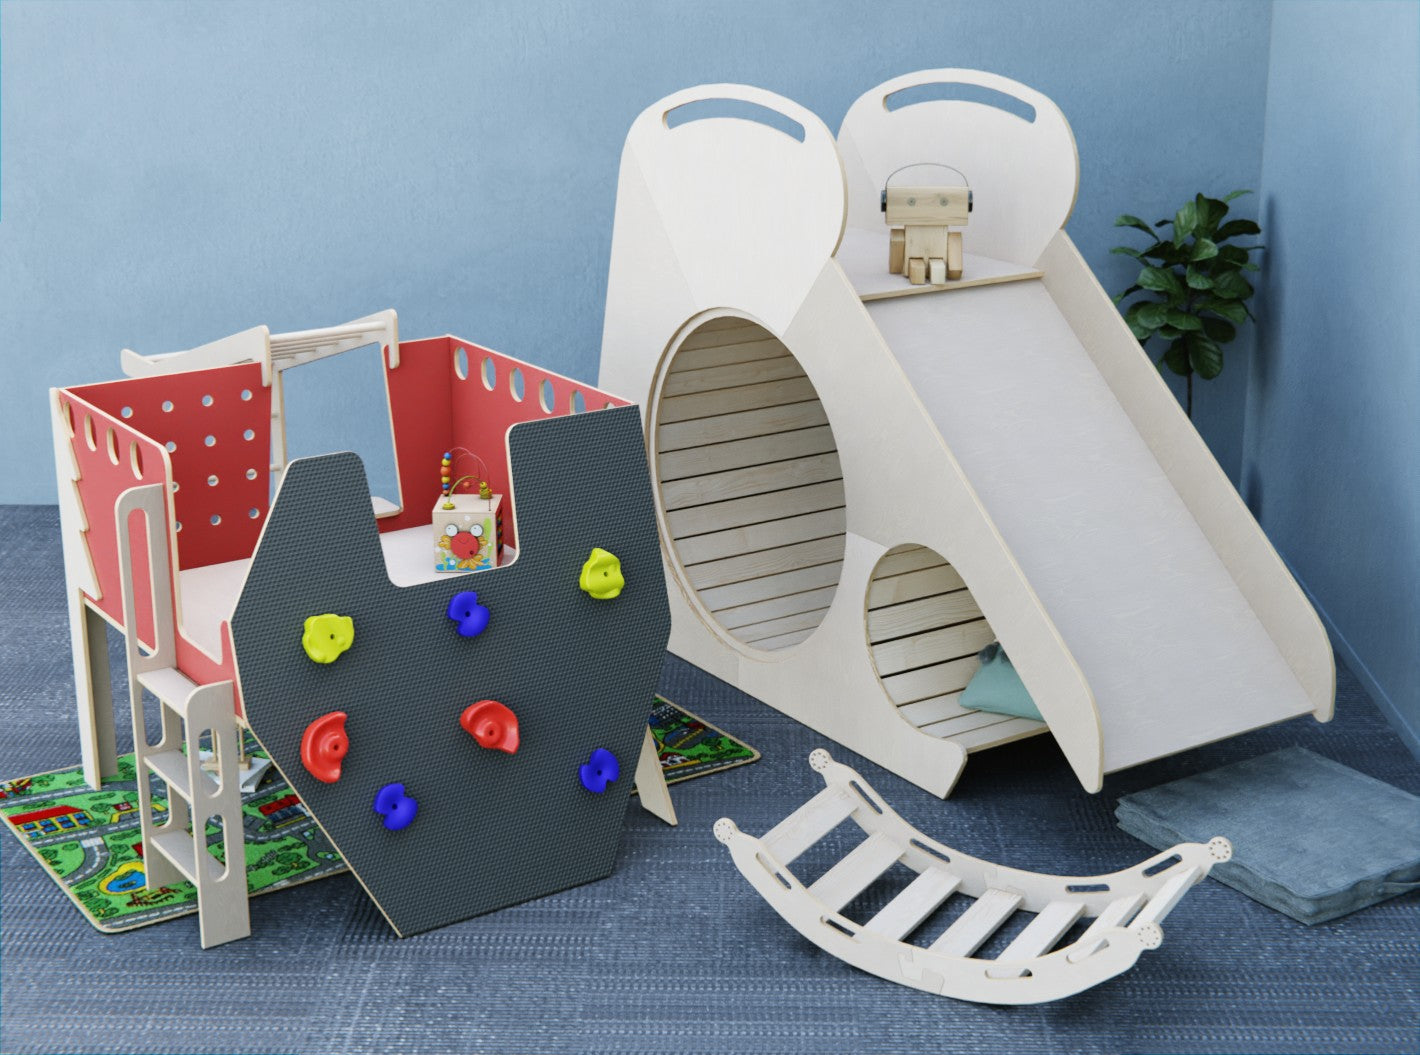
<point x="737" y="109"/>
<point x="924" y="631"/>
<point x="490" y="374"/>
<point x="749" y="481"/>
<point x="515" y="384"/>
<point x="956" y="92"/>
<point x="461" y="363"/>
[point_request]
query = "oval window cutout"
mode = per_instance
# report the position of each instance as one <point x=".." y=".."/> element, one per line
<point x="924" y="632"/>
<point x="749" y="479"/>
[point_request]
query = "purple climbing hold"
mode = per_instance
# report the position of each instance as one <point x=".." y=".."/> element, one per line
<point x="397" y="808"/>
<point x="600" y="770"/>
<point x="471" y="617"/>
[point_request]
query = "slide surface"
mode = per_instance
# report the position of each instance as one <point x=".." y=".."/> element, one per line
<point x="1172" y="650"/>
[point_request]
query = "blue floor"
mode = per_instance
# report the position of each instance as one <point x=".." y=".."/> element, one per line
<point x="675" y="953"/>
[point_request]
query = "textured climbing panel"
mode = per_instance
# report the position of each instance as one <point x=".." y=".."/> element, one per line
<point x="492" y="828"/>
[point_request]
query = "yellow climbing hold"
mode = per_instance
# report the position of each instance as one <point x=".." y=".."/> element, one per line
<point x="328" y="636"/>
<point x="601" y="575"/>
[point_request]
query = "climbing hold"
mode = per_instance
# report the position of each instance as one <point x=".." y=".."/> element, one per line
<point x="397" y="808"/>
<point x="471" y="616"/>
<point x="323" y="745"/>
<point x="600" y="770"/>
<point x="492" y="725"/>
<point x="328" y="636"/>
<point x="601" y="575"/>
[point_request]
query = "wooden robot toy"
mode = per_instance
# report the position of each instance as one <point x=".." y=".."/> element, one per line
<point x="922" y="244"/>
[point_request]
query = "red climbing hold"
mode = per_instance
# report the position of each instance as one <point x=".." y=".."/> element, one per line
<point x="323" y="745"/>
<point x="492" y="725"/>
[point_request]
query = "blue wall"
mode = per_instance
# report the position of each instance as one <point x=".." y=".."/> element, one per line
<point x="170" y="173"/>
<point x="1333" y="419"/>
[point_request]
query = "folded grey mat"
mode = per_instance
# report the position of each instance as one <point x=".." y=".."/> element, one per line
<point x="1311" y="837"/>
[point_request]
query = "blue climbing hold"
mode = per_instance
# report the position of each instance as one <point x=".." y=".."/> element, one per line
<point x="600" y="770"/>
<point x="471" y="616"/>
<point x="397" y="808"/>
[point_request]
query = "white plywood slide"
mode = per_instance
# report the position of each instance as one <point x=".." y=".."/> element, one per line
<point x="863" y="481"/>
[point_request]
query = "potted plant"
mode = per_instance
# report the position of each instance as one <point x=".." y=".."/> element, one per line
<point x="1192" y="289"/>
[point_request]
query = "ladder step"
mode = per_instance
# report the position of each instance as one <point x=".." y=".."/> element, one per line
<point x="977" y="923"/>
<point x="1041" y="933"/>
<point x="172" y="767"/>
<point x="1115" y="914"/>
<point x="178" y="847"/>
<point x="918" y="900"/>
<point x="788" y="839"/>
<point x="1168" y="896"/>
<point x="856" y="872"/>
<point x="169" y="685"/>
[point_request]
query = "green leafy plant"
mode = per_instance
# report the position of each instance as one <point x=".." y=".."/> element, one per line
<point x="1192" y="290"/>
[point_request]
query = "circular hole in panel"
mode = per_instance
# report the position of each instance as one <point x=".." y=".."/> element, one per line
<point x="251" y="474"/>
<point x="207" y="401"/>
<point x="924" y="630"/>
<point x="176" y="487"/>
<point x="545" y="396"/>
<point x="67" y="410"/>
<point x="125" y="412"/>
<point x="750" y="456"/>
<point x="490" y="374"/>
<point x="515" y="384"/>
<point x="212" y="480"/>
<point x="177" y="525"/>
<point x="111" y="441"/>
<point x="89" y="437"/>
<point x="171" y="446"/>
<point x="248" y="434"/>
<point x="214" y="519"/>
<point x="608" y="405"/>
<point x="135" y="459"/>
<point x="211" y="441"/>
<point x="461" y="363"/>
<point x="579" y="403"/>
<point x="246" y="394"/>
<point x="253" y="512"/>
<point x="167" y="406"/>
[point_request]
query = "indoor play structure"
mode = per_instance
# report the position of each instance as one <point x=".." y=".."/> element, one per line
<point x="1125" y="908"/>
<point x="415" y="712"/>
<point x="862" y="481"/>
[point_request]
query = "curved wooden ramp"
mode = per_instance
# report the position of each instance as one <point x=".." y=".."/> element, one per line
<point x="1127" y="907"/>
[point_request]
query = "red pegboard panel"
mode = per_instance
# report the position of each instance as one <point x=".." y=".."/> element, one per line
<point x="113" y="457"/>
<point x="216" y="427"/>
<point x="485" y="406"/>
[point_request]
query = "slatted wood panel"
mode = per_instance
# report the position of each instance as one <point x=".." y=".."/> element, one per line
<point x="750" y="482"/>
<point x="924" y="630"/>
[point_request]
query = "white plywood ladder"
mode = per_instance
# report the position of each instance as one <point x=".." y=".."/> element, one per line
<point x="1032" y="967"/>
<point x="191" y="716"/>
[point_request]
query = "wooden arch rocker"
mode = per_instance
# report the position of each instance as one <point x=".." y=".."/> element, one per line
<point x="1126" y="907"/>
<point x="862" y="481"/>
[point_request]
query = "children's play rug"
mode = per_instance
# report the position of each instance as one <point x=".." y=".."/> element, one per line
<point x="89" y="840"/>
<point x="691" y="747"/>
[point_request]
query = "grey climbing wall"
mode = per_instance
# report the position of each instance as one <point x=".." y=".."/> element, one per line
<point x="492" y="828"/>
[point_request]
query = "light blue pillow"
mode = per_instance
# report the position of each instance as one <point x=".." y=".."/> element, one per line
<point x="997" y="688"/>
